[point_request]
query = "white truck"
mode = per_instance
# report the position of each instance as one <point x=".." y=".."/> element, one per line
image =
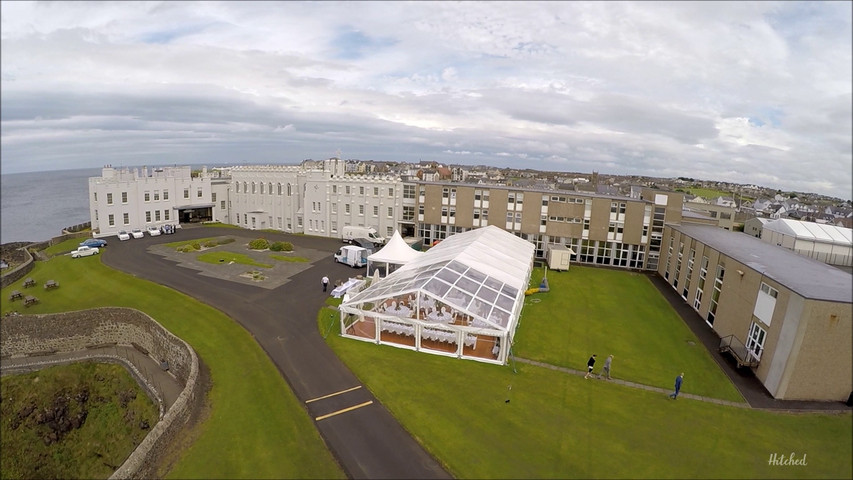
<point x="353" y="256"/>
<point x="350" y="232"/>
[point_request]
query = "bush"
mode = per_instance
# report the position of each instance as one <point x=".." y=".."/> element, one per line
<point x="196" y="246"/>
<point x="210" y="244"/>
<point x="281" y="247"/>
<point x="226" y="241"/>
<point x="259" y="244"/>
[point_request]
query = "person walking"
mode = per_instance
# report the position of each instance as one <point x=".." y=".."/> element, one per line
<point x="678" y="380"/>
<point x="325" y="282"/>
<point x="589" y="364"/>
<point x="605" y="372"/>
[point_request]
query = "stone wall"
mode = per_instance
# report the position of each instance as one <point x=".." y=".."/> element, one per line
<point x="19" y="272"/>
<point x="37" y="335"/>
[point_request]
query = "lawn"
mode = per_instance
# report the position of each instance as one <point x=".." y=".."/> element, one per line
<point x="218" y="257"/>
<point x="601" y="311"/>
<point x="485" y="421"/>
<point x="271" y="442"/>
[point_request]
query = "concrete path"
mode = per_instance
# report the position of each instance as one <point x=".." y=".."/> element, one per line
<point x="366" y="439"/>
<point x="635" y="385"/>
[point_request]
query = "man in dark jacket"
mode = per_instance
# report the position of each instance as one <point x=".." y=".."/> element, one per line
<point x="589" y="364"/>
<point x="678" y="380"/>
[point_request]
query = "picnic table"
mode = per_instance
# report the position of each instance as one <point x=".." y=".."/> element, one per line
<point x="15" y="294"/>
<point x="50" y="284"/>
<point x="29" y="282"/>
<point x="30" y="300"/>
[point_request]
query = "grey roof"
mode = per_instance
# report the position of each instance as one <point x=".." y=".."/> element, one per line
<point x="805" y="276"/>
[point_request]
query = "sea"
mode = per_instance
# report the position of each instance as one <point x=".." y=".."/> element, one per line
<point x="36" y="206"/>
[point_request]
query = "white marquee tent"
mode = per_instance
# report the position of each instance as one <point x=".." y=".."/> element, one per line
<point x="461" y="298"/>
<point x="392" y="256"/>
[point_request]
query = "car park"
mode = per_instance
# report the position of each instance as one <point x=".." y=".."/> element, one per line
<point x="84" y="252"/>
<point x="153" y="231"/>
<point x="137" y="233"/>
<point x="123" y="235"/>
<point x="93" y="242"/>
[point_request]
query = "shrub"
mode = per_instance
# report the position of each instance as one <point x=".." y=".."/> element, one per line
<point x="226" y="241"/>
<point x="281" y="247"/>
<point x="259" y="244"/>
<point x="210" y="244"/>
<point x="196" y="246"/>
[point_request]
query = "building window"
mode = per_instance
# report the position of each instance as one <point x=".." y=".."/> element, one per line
<point x="361" y="209"/>
<point x="126" y="218"/>
<point x="111" y="219"/>
<point x="165" y="215"/>
<point x="409" y="191"/>
<point x="334" y="189"/>
<point x="148" y="216"/>
<point x="147" y="196"/>
<point x="123" y="197"/>
<point x="375" y="191"/>
<point x="222" y="204"/>
<point x="198" y="193"/>
<point x="156" y="215"/>
<point x="755" y="340"/>
<point x="347" y="190"/>
<point x="390" y="191"/>
<point x="289" y="189"/>
<point x="269" y="190"/>
<point x="376" y="210"/>
<point x="156" y="195"/>
<point x="346" y="208"/>
<point x="186" y="193"/>
<point x="390" y="212"/>
<point x="279" y="189"/>
<point x="213" y="197"/>
<point x="96" y="196"/>
<point x="408" y="212"/>
<point x="109" y="199"/>
<point x="262" y="188"/>
<point x="361" y="190"/>
<point x="165" y="194"/>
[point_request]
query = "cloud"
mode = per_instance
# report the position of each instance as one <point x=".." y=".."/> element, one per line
<point x="750" y="92"/>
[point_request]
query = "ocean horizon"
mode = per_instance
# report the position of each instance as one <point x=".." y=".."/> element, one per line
<point x="36" y="206"/>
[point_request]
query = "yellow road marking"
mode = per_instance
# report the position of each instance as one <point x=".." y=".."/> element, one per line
<point x="321" y="417"/>
<point x="333" y="394"/>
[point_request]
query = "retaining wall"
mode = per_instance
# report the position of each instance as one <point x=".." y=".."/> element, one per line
<point x="38" y="335"/>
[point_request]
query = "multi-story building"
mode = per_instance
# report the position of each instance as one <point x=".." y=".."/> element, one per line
<point x="124" y="199"/>
<point x="786" y="316"/>
<point x="601" y="229"/>
<point x="316" y="198"/>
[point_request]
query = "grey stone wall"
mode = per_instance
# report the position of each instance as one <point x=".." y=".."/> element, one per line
<point x="36" y="335"/>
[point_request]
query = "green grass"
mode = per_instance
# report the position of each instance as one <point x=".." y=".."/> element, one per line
<point x="256" y="427"/>
<point x="558" y="425"/>
<point x="218" y="257"/>
<point x="221" y="225"/>
<point x="601" y="311"/>
<point x="107" y="436"/>
<point x="289" y="259"/>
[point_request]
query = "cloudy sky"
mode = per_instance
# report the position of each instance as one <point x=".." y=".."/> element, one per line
<point x="750" y="92"/>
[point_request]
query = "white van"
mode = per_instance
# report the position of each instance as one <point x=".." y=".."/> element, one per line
<point x="353" y="256"/>
<point x="349" y="233"/>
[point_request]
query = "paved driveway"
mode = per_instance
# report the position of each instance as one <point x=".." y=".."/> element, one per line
<point x="367" y="440"/>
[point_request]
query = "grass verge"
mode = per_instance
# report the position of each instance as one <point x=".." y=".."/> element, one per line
<point x="256" y="427"/>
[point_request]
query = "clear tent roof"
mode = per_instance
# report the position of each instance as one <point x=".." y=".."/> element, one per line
<point x="482" y="272"/>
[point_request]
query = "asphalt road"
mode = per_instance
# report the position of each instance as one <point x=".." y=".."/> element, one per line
<point x="367" y="441"/>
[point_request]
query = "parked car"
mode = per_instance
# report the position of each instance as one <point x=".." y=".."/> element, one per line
<point x="123" y="235"/>
<point x="167" y="229"/>
<point x="84" y="252"/>
<point x="153" y="231"/>
<point x="93" y="242"/>
<point x="137" y="233"/>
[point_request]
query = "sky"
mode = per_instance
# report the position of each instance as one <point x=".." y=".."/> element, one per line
<point x="745" y="92"/>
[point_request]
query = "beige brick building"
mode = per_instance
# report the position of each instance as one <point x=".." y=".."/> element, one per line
<point x="786" y="316"/>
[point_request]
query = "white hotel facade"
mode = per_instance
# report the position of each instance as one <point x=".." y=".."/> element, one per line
<point x="314" y="198"/>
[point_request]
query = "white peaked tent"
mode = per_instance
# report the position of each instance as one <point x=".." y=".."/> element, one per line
<point x="461" y="298"/>
<point x="393" y="255"/>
